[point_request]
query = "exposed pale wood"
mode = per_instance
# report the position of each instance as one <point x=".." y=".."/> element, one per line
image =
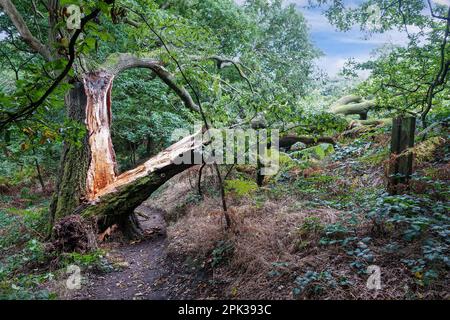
<point x="102" y="168"/>
<point x="163" y="159"/>
<point x="130" y="189"/>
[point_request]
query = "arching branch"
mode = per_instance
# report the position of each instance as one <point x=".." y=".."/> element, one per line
<point x="117" y="63"/>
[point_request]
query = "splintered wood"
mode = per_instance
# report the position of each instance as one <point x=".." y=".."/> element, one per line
<point x="102" y="179"/>
<point x="186" y="146"/>
<point x="102" y="168"/>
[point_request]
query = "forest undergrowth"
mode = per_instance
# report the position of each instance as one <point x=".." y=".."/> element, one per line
<point x="310" y="232"/>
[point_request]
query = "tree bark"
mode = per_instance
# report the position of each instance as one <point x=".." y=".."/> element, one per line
<point x="74" y="164"/>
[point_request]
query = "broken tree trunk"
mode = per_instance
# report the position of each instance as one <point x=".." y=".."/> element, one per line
<point x="116" y="202"/>
<point x="88" y="167"/>
<point x="87" y="182"/>
<point x="102" y="168"/>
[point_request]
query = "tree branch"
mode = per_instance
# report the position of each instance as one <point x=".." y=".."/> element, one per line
<point x="28" y="110"/>
<point x="441" y="76"/>
<point x="223" y="62"/>
<point x="123" y="61"/>
<point x="435" y="15"/>
<point x="23" y="29"/>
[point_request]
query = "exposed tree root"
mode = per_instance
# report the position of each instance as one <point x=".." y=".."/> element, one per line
<point x="74" y="234"/>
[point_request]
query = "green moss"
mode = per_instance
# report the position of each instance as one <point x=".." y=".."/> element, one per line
<point x="241" y="188"/>
<point x="376" y="158"/>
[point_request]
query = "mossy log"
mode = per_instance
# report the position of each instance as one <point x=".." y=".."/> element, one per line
<point x="288" y="141"/>
<point x="348" y="99"/>
<point x="360" y="108"/>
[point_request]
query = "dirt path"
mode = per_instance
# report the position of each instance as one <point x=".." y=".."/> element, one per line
<point x="141" y="266"/>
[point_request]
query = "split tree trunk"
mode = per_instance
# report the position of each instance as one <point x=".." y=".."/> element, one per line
<point x="88" y="183"/>
<point x="102" y="167"/>
<point x="116" y="202"/>
<point x="90" y="167"/>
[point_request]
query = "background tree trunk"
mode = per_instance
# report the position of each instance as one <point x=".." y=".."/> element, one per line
<point x="71" y="183"/>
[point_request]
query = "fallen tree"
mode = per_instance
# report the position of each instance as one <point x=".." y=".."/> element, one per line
<point x="115" y="203"/>
<point x="87" y="170"/>
<point x="88" y="182"/>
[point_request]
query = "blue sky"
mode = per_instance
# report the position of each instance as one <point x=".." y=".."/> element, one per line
<point x="338" y="46"/>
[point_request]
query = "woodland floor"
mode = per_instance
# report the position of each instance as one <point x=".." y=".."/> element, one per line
<point x="144" y="270"/>
<point x="309" y="233"/>
<point x="141" y="266"/>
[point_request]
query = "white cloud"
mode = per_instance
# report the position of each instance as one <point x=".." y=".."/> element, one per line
<point x="332" y="65"/>
<point x="338" y="46"/>
<point x="316" y="21"/>
<point x="442" y="2"/>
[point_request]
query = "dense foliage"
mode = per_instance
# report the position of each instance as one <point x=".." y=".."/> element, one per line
<point x="236" y="61"/>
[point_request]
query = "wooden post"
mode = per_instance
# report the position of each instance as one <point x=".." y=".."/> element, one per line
<point x="259" y="122"/>
<point x="400" y="169"/>
<point x="259" y="165"/>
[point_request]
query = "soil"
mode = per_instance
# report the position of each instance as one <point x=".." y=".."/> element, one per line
<point x="143" y="271"/>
